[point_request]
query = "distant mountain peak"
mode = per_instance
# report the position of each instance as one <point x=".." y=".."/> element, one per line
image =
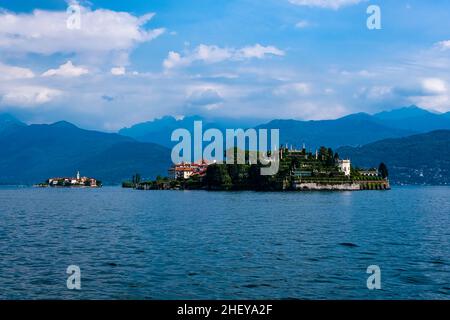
<point x="9" y="122"/>
<point x="357" y="116"/>
<point x="7" y="118"/>
<point x="403" y="113"/>
<point x="63" y="124"/>
<point x="415" y="108"/>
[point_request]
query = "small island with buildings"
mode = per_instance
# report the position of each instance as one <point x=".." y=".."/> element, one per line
<point x="299" y="170"/>
<point x="72" y="182"/>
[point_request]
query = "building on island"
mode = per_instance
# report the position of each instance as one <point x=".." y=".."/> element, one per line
<point x="185" y="170"/>
<point x="301" y="174"/>
<point x="77" y="181"/>
<point x="310" y="161"/>
<point x="344" y="166"/>
<point x="369" y="173"/>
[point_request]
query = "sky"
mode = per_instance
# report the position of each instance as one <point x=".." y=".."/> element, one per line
<point x="116" y="63"/>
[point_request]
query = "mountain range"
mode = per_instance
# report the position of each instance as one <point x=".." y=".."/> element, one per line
<point x="417" y="159"/>
<point x="160" y="130"/>
<point x="32" y="153"/>
<point x="352" y="130"/>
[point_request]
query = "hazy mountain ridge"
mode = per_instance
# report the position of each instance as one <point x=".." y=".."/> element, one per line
<point x="352" y="130"/>
<point x="31" y="154"/>
<point x="160" y="130"/>
<point x="9" y="123"/>
<point x="417" y="159"/>
<point x="414" y="119"/>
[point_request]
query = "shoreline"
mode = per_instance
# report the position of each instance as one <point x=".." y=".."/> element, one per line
<point x="66" y="187"/>
<point x="26" y="186"/>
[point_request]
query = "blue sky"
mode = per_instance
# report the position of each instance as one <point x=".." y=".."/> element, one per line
<point x="131" y="61"/>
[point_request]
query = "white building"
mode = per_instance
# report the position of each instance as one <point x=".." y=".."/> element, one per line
<point x="369" y="173"/>
<point x="186" y="170"/>
<point x="344" y="166"/>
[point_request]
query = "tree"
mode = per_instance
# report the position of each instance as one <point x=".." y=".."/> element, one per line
<point x="217" y="177"/>
<point x="336" y="156"/>
<point x="330" y="153"/>
<point x="330" y="158"/>
<point x="383" y="170"/>
<point x="137" y="178"/>
<point x="238" y="174"/>
<point x="323" y="153"/>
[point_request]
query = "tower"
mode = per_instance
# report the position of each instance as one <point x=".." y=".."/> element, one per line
<point x="345" y="167"/>
<point x="78" y="175"/>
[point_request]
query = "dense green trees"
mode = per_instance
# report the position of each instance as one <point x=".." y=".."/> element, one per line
<point x="238" y="177"/>
<point x="323" y="153"/>
<point x="336" y="157"/>
<point x="327" y="155"/>
<point x="257" y="181"/>
<point x="383" y="170"/>
<point x="218" y="178"/>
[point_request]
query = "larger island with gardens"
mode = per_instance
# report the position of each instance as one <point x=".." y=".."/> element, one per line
<point x="299" y="170"/>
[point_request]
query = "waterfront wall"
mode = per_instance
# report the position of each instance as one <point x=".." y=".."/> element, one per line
<point x="318" y="186"/>
<point x="351" y="186"/>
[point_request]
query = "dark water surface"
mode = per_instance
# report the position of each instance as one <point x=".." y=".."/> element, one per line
<point x="199" y="245"/>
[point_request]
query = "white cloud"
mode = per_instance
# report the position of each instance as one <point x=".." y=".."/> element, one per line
<point x="443" y="45"/>
<point x="376" y="93"/>
<point x="438" y="103"/>
<point x="435" y="95"/>
<point x="293" y="89"/>
<point x="258" y="51"/>
<point x="101" y="32"/>
<point x="434" y="85"/>
<point x="207" y="97"/>
<point x="302" y="24"/>
<point x="28" y="96"/>
<point x="118" y="71"/>
<point x="214" y="54"/>
<point x="12" y="72"/>
<point x="328" y="4"/>
<point x="66" y="70"/>
<point x="361" y="73"/>
<point x="311" y="110"/>
<point x="173" y="60"/>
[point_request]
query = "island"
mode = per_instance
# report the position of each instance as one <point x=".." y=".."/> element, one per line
<point x="72" y="182"/>
<point x="299" y="170"/>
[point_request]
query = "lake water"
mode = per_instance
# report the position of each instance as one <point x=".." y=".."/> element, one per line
<point x="224" y="245"/>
